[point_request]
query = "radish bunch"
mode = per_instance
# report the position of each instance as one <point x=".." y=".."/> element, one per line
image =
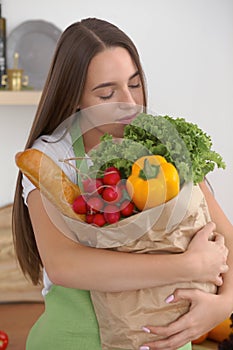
<point x="104" y="200"/>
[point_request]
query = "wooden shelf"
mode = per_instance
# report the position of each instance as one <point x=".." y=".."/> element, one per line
<point x="19" y="98"/>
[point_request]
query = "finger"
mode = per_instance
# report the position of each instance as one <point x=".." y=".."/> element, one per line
<point x="219" y="238"/>
<point x="171" y="343"/>
<point x="226" y="252"/>
<point x="207" y="230"/>
<point x="185" y="294"/>
<point x="171" y="329"/>
<point x="224" y="268"/>
<point x="219" y="281"/>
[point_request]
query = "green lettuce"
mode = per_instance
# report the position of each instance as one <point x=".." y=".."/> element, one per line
<point x="182" y="143"/>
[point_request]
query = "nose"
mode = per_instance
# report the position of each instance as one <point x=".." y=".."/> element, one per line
<point x="126" y="99"/>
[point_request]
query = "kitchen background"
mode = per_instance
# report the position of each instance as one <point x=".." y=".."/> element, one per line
<point x="186" y="47"/>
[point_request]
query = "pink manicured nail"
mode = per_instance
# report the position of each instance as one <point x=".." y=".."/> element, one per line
<point x="144" y="348"/>
<point x="145" y="329"/>
<point x="170" y="299"/>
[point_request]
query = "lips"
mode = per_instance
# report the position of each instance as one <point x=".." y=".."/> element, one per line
<point x="127" y="119"/>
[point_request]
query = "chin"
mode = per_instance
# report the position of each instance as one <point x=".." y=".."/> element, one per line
<point x="116" y="130"/>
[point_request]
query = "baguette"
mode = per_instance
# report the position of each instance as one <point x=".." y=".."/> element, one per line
<point x="50" y="179"/>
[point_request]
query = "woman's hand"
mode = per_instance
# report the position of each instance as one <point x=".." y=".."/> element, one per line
<point x="206" y="311"/>
<point x="208" y="256"/>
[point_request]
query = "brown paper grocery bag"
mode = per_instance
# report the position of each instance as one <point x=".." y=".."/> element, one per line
<point x="164" y="229"/>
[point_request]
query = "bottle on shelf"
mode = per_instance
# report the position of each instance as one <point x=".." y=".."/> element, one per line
<point x="3" y="63"/>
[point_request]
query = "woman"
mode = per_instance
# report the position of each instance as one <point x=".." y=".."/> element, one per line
<point x="96" y="63"/>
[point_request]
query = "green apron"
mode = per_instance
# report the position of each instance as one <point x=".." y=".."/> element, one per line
<point x="69" y="321"/>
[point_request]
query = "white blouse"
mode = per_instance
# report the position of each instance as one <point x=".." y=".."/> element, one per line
<point x="57" y="150"/>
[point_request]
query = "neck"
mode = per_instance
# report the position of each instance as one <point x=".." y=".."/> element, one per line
<point x="91" y="137"/>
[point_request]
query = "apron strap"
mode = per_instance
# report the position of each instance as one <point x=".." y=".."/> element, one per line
<point x="79" y="150"/>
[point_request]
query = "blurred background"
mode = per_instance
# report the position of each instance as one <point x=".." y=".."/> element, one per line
<point x="186" y="48"/>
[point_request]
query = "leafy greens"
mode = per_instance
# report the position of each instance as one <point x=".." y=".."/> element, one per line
<point x="182" y="143"/>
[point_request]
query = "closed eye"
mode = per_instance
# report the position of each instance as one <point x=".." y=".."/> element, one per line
<point x="134" y="86"/>
<point x="106" y="97"/>
<point x="135" y="81"/>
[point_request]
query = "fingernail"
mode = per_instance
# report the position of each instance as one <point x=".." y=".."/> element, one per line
<point x="145" y="329"/>
<point x="169" y="299"/>
<point x="144" y="348"/>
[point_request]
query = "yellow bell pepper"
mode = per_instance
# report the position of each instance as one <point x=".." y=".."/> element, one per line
<point x="153" y="181"/>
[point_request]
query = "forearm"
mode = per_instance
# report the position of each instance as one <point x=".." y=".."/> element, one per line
<point x="97" y="269"/>
<point x="227" y="287"/>
<point x="72" y="265"/>
<point x="223" y="226"/>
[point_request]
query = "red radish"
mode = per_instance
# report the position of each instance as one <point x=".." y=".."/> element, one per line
<point x="93" y="185"/>
<point x="89" y="218"/>
<point x="85" y="183"/>
<point x="105" y="199"/>
<point x="98" y="219"/>
<point x="80" y="205"/>
<point x="111" y="213"/>
<point x="126" y="208"/>
<point x="111" y="176"/>
<point x="112" y="194"/>
<point x="95" y="204"/>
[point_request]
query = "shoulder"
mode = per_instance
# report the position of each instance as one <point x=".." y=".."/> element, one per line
<point x="58" y="147"/>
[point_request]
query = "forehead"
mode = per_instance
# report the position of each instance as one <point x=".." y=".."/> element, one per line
<point x="113" y="64"/>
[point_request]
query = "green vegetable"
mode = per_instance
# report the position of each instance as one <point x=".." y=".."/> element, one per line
<point x="180" y="142"/>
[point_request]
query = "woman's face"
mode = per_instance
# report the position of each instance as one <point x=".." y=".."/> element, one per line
<point x="113" y="94"/>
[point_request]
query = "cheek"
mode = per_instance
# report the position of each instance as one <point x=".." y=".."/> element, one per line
<point x="87" y="101"/>
<point x="100" y="115"/>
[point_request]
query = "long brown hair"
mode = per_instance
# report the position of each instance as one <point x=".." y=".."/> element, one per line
<point x="78" y="44"/>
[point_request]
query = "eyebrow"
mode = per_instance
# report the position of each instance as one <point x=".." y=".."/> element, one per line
<point x="111" y="83"/>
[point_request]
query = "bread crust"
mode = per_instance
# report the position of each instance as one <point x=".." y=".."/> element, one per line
<point x="50" y="179"/>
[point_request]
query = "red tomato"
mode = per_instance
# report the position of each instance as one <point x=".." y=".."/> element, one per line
<point x="3" y="340"/>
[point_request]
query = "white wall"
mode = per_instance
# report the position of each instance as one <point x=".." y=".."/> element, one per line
<point x="186" y="48"/>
